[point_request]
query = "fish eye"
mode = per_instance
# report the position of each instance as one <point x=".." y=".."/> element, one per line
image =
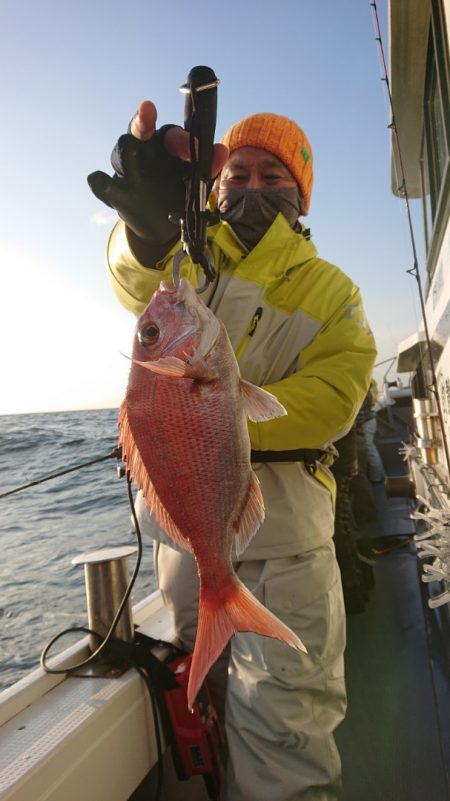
<point x="148" y="335"/>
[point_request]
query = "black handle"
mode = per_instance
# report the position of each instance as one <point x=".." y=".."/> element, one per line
<point x="200" y="112"/>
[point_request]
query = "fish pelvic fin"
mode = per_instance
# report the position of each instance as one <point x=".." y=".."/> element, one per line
<point x="259" y="404"/>
<point x="138" y="472"/>
<point x="219" y="620"/>
<point x="251" y="516"/>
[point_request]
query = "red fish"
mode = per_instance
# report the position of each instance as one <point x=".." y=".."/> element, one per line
<point x="185" y="441"/>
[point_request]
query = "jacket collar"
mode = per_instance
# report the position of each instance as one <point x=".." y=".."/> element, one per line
<point x="281" y="246"/>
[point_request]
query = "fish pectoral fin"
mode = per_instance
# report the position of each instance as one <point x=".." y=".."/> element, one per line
<point x="259" y="404"/>
<point x="168" y="366"/>
<point x="251" y="516"/>
<point x="172" y="367"/>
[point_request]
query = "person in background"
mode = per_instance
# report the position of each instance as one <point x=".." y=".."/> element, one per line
<point x="298" y="328"/>
<point x="370" y="461"/>
<point x="345" y="471"/>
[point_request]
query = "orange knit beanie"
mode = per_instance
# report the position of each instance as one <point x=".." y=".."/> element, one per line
<point x="282" y="137"/>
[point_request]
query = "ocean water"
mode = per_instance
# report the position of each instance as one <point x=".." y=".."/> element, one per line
<point x="42" y="528"/>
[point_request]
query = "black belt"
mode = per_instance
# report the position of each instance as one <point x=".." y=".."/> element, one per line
<point x="307" y="455"/>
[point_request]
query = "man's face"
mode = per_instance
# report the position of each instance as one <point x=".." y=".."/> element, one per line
<point x="255" y="168"/>
<point x="254" y="187"/>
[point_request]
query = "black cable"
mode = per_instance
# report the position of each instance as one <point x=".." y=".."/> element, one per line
<point x="109" y="636"/>
<point x="142" y="672"/>
<point x="159" y="749"/>
<point x="115" y="454"/>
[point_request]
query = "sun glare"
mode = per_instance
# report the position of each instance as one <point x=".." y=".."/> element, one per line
<point x="59" y="348"/>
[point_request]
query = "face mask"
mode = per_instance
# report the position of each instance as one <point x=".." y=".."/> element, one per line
<point x="251" y="212"/>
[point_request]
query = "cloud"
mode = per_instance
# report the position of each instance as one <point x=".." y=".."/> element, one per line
<point x="104" y="218"/>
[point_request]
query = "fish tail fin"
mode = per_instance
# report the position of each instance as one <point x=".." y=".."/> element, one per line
<point x="217" y="622"/>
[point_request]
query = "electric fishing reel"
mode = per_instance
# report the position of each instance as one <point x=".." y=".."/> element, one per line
<point x="195" y="738"/>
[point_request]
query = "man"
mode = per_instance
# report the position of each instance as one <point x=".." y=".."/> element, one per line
<point x="371" y="463"/>
<point x="298" y="328"/>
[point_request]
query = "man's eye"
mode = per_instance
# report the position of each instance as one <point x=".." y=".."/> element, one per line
<point x="237" y="176"/>
<point x="271" y="177"/>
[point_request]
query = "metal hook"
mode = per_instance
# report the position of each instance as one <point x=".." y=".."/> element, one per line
<point x="209" y="272"/>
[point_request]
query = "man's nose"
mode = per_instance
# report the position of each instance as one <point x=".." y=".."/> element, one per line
<point x="255" y="180"/>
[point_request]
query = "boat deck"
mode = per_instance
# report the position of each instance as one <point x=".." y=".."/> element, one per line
<point x="395" y="740"/>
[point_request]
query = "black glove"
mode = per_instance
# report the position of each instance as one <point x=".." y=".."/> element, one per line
<point x="146" y="187"/>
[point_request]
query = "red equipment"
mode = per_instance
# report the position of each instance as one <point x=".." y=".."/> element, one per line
<point x="196" y="737"/>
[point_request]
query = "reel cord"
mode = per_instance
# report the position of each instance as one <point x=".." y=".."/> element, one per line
<point x="144" y="675"/>
<point x="116" y="453"/>
<point x="108" y="638"/>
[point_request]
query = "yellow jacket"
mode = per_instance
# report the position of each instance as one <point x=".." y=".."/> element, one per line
<point x="298" y="329"/>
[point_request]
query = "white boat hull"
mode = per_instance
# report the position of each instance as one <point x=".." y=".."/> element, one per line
<point x="67" y="739"/>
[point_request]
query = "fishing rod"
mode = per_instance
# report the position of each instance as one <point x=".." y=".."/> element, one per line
<point x="414" y="270"/>
<point x="114" y="454"/>
<point x="200" y="113"/>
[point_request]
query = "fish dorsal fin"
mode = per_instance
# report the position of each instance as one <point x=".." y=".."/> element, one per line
<point x="251" y="516"/>
<point x="259" y="404"/>
<point x="139" y="474"/>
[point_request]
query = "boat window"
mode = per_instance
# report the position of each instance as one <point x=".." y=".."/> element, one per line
<point x="435" y="134"/>
<point x="436" y="146"/>
<point x="425" y="189"/>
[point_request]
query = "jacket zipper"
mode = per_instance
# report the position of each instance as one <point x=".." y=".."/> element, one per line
<point x="249" y="333"/>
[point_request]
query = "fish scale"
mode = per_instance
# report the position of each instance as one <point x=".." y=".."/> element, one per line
<point x="195" y="483"/>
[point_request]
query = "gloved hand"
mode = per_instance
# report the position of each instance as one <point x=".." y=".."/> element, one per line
<point x="148" y="184"/>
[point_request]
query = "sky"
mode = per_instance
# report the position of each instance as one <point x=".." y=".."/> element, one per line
<point x="73" y="75"/>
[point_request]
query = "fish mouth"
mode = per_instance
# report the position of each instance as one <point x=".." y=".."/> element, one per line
<point x="183" y="293"/>
<point x="174" y="296"/>
<point x="167" y="289"/>
<point x="204" y="322"/>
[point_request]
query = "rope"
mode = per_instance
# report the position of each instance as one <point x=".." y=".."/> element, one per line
<point x="115" y="454"/>
<point x="414" y="270"/>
